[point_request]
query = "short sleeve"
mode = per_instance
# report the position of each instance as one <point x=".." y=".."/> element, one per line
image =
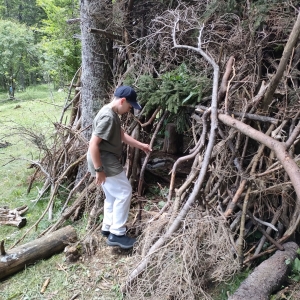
<point x="104" y="128"/>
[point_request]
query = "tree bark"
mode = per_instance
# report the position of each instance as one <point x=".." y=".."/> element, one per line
<point x="97" y="57"/>
<point x="172" y="139"/>
<point x="268" y="276"/>
<point x="18" y="258"/>
<point x="97" y="61"/>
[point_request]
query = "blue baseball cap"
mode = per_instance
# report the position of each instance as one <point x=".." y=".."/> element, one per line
<point x="129" y="93"/>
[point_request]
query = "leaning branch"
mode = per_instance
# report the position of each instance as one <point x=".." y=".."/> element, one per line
<point x="105" y="33"/>
<point x="293" y="38"/>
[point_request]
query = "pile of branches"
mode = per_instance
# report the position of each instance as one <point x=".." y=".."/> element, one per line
<point x="241" y="198"/>
<point x="245" y="160"/>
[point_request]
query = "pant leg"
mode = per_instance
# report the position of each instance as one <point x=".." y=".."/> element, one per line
<point x="107" y="209"/>
<point x="119" y="188"/>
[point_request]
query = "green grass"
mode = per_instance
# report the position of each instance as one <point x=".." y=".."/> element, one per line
<point x="222" y="290"/>
<point x="34" y="109"/>
<point x="36" y="92"/>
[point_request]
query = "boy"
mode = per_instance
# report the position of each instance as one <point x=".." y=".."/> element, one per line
<point x="105" y="150"/>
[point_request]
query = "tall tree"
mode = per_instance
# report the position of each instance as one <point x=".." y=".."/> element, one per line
<point x="96" y="59"/>
<point x="26" y="12"/>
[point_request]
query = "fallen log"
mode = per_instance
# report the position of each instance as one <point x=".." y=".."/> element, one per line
<point x="18" y="258"/>
<point x="268" y="276"/>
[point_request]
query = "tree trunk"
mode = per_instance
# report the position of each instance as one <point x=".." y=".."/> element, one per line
<point x="20" y="257"/>
<point x="268" y="276"/>
<point x="172" y="139"/>
<point x="97" y="52"/>
<point x="97" y="57"/>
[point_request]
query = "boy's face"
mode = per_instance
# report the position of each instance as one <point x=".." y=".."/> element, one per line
<point x="125" y="106"/>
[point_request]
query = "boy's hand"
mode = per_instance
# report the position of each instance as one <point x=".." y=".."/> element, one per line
<point x="146" y="148"/>
<point x="100" y="178"/>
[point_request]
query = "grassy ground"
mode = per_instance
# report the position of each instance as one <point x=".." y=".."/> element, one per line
<point x="34" y="109"/>
<point x="90" y="278"/>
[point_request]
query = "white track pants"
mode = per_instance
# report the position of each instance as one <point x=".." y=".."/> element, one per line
<point x="118" y="193"/>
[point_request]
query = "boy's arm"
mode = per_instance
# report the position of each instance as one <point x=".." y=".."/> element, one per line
<point x="127" y="139"/>
<point x="96" y="158"/>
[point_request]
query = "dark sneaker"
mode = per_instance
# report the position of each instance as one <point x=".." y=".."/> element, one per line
<point x="123" y="241"/>
<point x="105" y="233"/>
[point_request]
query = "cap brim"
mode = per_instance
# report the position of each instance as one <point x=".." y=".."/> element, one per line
<point x="135" y="105"/>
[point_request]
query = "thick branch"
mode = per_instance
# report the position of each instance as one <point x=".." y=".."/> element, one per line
<point x="105" y="33"/>
<point x="255" y="117"/>
<point x="279" y="148"/>
<point x="73" y="21"/>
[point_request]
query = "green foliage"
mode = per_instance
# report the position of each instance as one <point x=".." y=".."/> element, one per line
<point x="161" y="204"/>
<point x="35" y="109"/>
<point x="117" y="291"/>
<point x="56" y="52"/>
<point x="25" y="12"/>
<point x="18" y="52"/>
<point x="173" y="91"/>
<point x="295" y="272"/>
<point x="61" y="52"/>
<point x="221" y="292"/>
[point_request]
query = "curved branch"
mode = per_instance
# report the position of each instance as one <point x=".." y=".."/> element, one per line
<point x="224" y="82"/>
<point x="196" y="150"/>
<point x="214" y="125"/>
<point x="279" y="148"/>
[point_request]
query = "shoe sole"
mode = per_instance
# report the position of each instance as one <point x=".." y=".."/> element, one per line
<point x="109" y="243"/>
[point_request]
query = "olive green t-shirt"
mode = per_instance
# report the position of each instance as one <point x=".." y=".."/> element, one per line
<point x="107" y="126"/>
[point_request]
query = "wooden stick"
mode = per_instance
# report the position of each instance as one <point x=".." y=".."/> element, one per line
<point x="268" y="231"/>
<point x="279" y="246"/>
<point x="2" y="250"/>
<point x="45" y="284"/>
<point x="254" y="117"/>
<point x="109" y="35"/>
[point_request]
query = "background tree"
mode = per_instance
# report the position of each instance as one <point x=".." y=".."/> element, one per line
<point x="18" y="53"/>
<point x="96" y="59"/>
<point x="61" y="52"/>
<point x="26" y="12"/>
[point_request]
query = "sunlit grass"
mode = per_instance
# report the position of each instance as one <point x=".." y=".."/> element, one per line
<point x="34" y="110"/>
